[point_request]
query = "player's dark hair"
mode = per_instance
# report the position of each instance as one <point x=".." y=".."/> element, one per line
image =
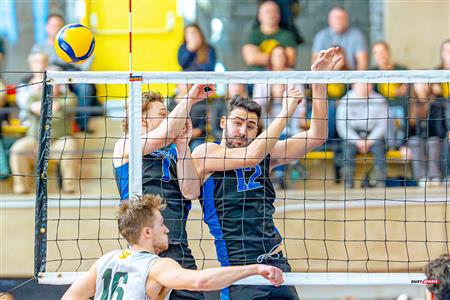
<point x="245" y="103"/>
<point x="439" y="269"/>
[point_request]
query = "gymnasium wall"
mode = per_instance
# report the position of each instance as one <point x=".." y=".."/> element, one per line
<point x="415" y="31"/>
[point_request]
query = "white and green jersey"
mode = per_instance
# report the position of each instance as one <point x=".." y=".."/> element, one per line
<point x="122" y="275"/>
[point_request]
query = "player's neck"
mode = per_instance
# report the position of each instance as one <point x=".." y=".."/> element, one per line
<point x="141" y="248"/>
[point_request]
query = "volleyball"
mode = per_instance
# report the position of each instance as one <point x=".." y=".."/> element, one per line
<point x="74" y="43"/>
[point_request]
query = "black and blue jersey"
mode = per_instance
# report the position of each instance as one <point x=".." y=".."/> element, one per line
<point x="159" y="177"/>
<point x="238" y="207"/>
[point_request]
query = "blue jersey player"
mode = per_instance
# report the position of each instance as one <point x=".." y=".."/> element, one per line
<point x="237" y="194"/>
<point x="167" y="168"/>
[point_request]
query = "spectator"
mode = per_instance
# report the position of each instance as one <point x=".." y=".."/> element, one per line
<point x="361" y="121"/>
<point x="289" y="10"/>
<point x="438" y="270"/>
<point x="395" y="93"/>
<point x="270" y="99"/>
<point x="38" y="63"/>
<point x="86" y="93"/>
<point x="340" y="33"/>
<point x="2" y="55"/>
<point x="263" y="39"/>
<point x="195" y="54"/>
<point x="4" y="165"/>
<point x="442" y="93"/>
<point x="426" y="130"/>
<point x="63" y="147"/>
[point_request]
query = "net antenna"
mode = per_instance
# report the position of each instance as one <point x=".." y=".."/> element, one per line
<point x="135" y="130"/>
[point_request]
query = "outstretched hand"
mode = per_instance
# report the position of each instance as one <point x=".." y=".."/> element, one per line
<point x="326" y="60"/>
<point x="291" y="99"/>
<point x="199" y="92"/>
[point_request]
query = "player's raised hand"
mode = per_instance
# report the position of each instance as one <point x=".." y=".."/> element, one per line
<point x="199" y="92"/>
<point x="326" y="60"/>
<point x="273" y="274"/>
<point x="291" y="99"/>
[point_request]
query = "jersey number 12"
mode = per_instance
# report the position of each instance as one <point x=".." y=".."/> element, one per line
<point x="242" y="185"/>
<point x="108" y="294"/>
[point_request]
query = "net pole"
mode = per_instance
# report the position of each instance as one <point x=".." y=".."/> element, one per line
<point x="134" y="113"/>
<point x="40" y="240"/>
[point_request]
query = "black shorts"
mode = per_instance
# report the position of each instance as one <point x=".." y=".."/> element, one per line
<point x="260" y="292"/>
<point x="181" y="254"/>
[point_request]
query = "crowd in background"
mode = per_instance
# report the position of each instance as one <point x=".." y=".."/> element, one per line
<point x="363" y="118"/>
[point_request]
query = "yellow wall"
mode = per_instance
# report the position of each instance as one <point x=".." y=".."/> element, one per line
<point x="154" y="48"/>
<point x="415" y="31"/>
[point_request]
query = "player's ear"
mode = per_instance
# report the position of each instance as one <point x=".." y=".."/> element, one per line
<point x="223" y="122"/>
<point x="147" y="232"/>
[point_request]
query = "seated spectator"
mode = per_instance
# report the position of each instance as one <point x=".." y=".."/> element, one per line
<point x="442" y="92"/>
<point x="426" y="130"/>
<point x="396" y="94"/>
<point x="438" y="270"/>
<point x="340" y="33"/>
<point x="63" y="147"/>
<point x="86" y="93"/>
<point x="361" y="121"/>
<point x="289" y="10"/>
<point x="264" y="38"/>
<point x="270" y="99"/>
<point x="195" y="54"/>
<point x="38" y="63"/>
<point x="4" y="165"/>
<point x="2" y="55"/>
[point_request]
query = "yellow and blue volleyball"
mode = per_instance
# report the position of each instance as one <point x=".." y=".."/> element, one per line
<point x="74" y="43"/>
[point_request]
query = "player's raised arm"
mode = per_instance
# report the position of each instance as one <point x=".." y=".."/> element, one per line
<point x="161" y="129"/>
<point x="84" y="287"/>
<point x="240" y="146"/>
<point x="298" y="145"/>
<point x="188" y="178"/>
<point x="170" y="274"/>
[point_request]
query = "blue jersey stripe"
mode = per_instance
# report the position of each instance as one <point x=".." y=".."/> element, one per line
<point x="211" y="218"/>
<point x="122" y="180"/>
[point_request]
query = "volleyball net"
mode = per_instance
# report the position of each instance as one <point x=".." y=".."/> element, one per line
<point x="347" y="211"/>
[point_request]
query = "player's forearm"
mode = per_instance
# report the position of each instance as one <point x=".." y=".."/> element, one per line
<point x="219" y="278"/>
<point x="188" y="178"/>
<point x="264" y="143"/>
<point x="318" y="131"/>
<point x="177" y="118"/>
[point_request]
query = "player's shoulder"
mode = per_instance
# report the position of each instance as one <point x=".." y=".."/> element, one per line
<point x="118" y="152"/>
